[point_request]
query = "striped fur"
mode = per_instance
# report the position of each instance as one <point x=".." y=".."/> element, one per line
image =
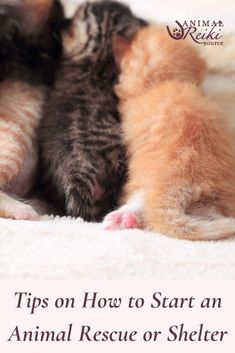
<point x="26" y="61"/>
<point x="20" y="111"/>
<point x="83" y="160"/>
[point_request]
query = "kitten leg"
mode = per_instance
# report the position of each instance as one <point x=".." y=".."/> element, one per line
<point x="82" y="191"/>
<point x="13" y="209"/>
<point x="129" y="216"/>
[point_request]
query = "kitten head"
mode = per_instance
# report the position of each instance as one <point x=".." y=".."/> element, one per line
<point x="91" y="31"/>
<point x="153" y="57"/>
<point x="8" y="30"/>
<point x="29" y="39"/>
<point x="39" y="21"/>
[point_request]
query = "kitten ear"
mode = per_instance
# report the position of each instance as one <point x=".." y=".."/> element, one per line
<point x="71" y="24"/>
<point x="70" y="7"/>
<point x="34" y="15"/>
<point x="120" y="47"/>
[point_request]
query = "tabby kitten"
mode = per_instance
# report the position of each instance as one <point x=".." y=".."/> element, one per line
<point x="28" y="52"/>
<point x="83" y="160"/>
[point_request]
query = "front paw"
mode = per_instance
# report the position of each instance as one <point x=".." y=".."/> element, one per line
<point x="21" y="211"/>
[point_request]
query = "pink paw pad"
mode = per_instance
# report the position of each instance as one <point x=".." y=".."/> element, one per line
<point x="121" y="220"/>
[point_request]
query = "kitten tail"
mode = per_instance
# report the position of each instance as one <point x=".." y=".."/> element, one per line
<point x="192" y="228"/>
<point x="175" y="223"/>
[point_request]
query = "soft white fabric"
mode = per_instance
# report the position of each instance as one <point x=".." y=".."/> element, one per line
<point x="65" y="248"/>
<point x="71" y="249"/>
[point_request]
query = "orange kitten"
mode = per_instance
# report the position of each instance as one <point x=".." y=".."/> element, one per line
<point x="182" y="158"/>
<point x="20" y="110"/>
<point x="26" y="59"/>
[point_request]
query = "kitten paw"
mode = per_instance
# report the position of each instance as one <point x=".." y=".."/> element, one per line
<point x="121" y="220"/>
<point x="22" y="212"/>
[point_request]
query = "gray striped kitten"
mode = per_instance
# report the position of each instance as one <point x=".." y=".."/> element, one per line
<point x="83" y="161"/>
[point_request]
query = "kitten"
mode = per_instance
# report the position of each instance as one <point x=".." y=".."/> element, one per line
<point x="27" y="55"/>
<point x="83" y="161"/>
<point x="182" y="158"/>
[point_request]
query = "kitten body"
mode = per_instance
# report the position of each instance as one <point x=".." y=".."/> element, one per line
<point x="83" y="160"/>
<point x="182" y="157"/>
<point x="25" y="57"/>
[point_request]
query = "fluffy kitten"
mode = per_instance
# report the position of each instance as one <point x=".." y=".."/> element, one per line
<point x="83" y="162"/>
<point x="182" y="158"/>
<point x="27" y="54"/>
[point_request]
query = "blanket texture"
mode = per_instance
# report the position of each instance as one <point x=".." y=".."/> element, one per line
<point x="69" y="248"/>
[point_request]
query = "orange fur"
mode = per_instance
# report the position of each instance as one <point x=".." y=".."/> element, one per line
<point x="181" y="154"/>
<point x="20" y="110"/>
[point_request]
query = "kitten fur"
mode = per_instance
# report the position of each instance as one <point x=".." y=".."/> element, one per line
<point x="26" y="60"/>
<point x="182" y="157"/>
<point x="83" y="160"/>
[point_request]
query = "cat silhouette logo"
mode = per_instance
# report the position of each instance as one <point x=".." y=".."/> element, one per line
<point x="205" y="32"/>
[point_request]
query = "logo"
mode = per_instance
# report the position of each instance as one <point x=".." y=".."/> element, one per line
<point x="200" y="31"/>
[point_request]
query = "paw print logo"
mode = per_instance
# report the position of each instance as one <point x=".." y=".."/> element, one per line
<point x="177" y="33"/>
